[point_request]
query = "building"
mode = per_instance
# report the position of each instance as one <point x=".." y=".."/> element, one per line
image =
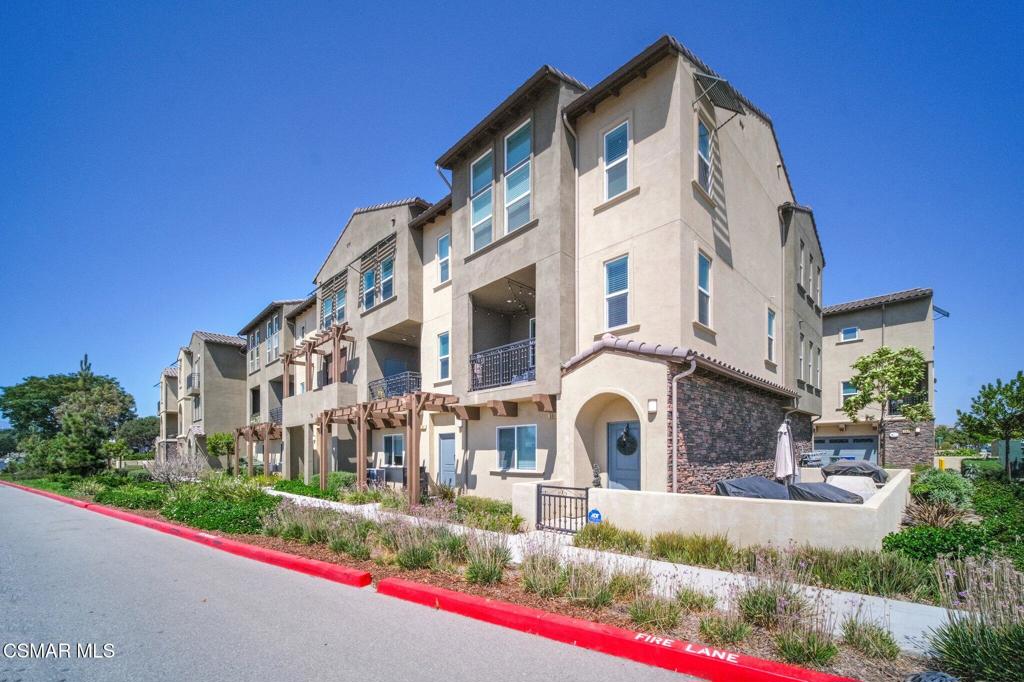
<point x="211" y="392"/>
<point x="620" y="286"/>
<point x="166" y="446"/>
<point x="854" y="329"/>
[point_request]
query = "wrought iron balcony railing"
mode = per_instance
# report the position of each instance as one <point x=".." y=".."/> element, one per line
<point x="275" y="415"/>
<point x="394" y="385"/>
<point x="505" y="365"/>
<point x="192" y="383"/>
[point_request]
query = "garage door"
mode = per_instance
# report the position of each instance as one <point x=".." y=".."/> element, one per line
<point x="853" y="447"/>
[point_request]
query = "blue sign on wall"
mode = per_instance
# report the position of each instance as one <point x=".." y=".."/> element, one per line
<point x="594" y="516"/>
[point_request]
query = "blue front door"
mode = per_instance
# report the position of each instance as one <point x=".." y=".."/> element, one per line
<point x="624" y="455"/>
<point x="446" y="457"/>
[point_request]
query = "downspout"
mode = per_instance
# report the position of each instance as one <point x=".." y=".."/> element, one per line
<point x="675" y="418"/>
<point x="438" y="169"/>
<point x="576" y="231"/>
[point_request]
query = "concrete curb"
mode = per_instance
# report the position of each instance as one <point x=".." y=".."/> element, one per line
<point x="680" y="656"/>
<point x="313" y="567"/>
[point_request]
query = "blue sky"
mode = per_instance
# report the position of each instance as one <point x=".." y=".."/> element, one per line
<point x="168" y="167"/>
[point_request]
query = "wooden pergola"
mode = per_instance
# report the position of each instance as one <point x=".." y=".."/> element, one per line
<point x="252" y="434"/>
<point x="302" y="355"/>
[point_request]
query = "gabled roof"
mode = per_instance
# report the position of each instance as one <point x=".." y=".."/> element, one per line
<point x="225" y="339"/>
<point x="266" y="311"/>
<point x="791" y="206"/>
<point x="438" y="209"/>
<point x="493" y="120"/>
<point x="304" y="305"/>
<point x="884" y="299"/>
<point x="170" y="372"/>
<point x="612" y="343"/>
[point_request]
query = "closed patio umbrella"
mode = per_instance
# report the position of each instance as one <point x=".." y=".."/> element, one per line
<point x="785" y="467"/>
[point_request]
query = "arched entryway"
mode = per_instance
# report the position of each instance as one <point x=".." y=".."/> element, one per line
<point x="608" y="435"/>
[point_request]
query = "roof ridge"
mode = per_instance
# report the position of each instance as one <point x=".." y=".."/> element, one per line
<point x="871" y="301"/>
<point x="392" y="204"/>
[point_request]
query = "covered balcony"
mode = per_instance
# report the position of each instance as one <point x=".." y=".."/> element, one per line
<point x="504" y="332"/>
<point x="192" y="384"/>
<point x="394" y="385"/>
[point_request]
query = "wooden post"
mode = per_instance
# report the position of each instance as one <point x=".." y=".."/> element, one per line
<point x="362" y="447"/>
<point x="285" y="366"/>
<point x="335" y="358"/>
<point x="309" y="368"/>
<point x="325" y="436"/>
<point x="266" y="450"/>
<point x="412" y="449"/>
<point x="251" y="452"/>
<point x="235" y="470"/>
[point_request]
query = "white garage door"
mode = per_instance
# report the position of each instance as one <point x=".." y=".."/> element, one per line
<point x="850" y="447"/>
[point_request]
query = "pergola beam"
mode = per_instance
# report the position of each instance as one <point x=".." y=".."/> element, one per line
<point x="503" y="408"/>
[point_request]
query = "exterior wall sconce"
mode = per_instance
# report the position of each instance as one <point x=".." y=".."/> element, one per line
<point x="652" y="406"/>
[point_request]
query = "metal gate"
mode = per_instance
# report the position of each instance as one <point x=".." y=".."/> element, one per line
<point x="561" y="509"/>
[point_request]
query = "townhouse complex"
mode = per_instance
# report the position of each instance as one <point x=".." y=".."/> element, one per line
<point x="620" y="290"/>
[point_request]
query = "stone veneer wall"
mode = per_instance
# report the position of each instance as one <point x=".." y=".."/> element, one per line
<point x="909" y="448"/>
<point x="727" y="429"/>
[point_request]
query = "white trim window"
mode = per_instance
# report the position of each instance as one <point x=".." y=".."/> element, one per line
<point x="849" y="334"/>
<point x="800" y="360"/>
<point x="846" y="391"/>
<point x="327" y="313"/>
<point x="616" y="292"/>
<point x="803" y="257"/>
<point x="339" y="305"/>
<point x="771" y="335"/>
<point x="273" y="338"/>
<point x="369" y="289"/>
<point x="394" y="450"/>
<point x="817" y="370"/>
<point x="810" y="275"/>
<point x="704" y="289"/>
<point x="705" y="165"/>
<point x="810" y="361"/>
<point x="387" y="279"/>
<point x="517" y="447"/>
<point x="254" y="350"/>
<point x="616" y="161"/>
<point x="444" y="259"/>
<point x="443" y="357"/>
<point x="482" y="200"/>
<point x="518" y="155"/>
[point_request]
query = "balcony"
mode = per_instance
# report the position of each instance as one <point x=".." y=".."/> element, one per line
<point x="192" y="384"/>
<point x="275" y="415"/>
<point x="513" y="363"/>
<point x="394" y="385"/>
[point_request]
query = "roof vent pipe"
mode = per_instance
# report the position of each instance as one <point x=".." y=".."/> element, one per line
<point x="675" y="419"/>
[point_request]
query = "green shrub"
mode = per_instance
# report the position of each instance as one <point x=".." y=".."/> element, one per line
<point x="369" y="496"/>
<point x="340" y="480"/>
<point x="944" y="485"/>
<point x="588" y="584"/>
<point x="925" y="543"/>
<point x="605" y="536"/>
<point x="297" y="487"/>
<point x="887" y="574"/>
<point x="657" y="613"/>
<point x="806" y="646"/>
<point x="870" y="639"/>
<point x="487" y="556"/>
<point x="982" y="470"/>
<point x="112" y="479"/>
<point x="132" y="497"/>
<point x="487" y="514"/>
<point x="542" y="571"/>
<point x="713" y="551"/>
<point x="449" y="545"/>
<point x="224" y="515"/>
<point x="139" y="476"/>
<point x="87" y="488"/>
<point x="390" y="498"/>
<point x="628" y="585"/>
<point x="693" y="601"/>
<point x="720" y="630"/>
<point x="766" y="604"/>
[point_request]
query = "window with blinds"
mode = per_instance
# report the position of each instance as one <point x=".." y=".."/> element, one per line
<point x="518" y="152"/>
<point x="616" y="292"/>
<point x="616" y="161"/>
<point x="377" y="283"/>
<point x="332" y="300"/>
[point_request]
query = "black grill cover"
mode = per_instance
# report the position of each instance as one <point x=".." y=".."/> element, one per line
<point x="822" y="492"/>
<point x="856" y="467"/>
<point x="752" y="486"/>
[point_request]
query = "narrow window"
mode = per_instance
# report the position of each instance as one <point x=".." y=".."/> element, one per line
<point x="328" y="312"/>
<point x="387" y="279"/>
<point x="394" y="450"/>
<point x="443" y="356"/>
<point x="616" y="161"/>
<point x="771" y="335"/>
<point x="444" y="258"/>
<point x="810" y="361"/>
<point x="339" y="304"/>
<point x="848" y="391"/>
<point x="850" y="333"/>
<point x="818" y="288"/>
<point x="703" y="289"/>
<point x="616" y="292"/>
<point x="817" y="369"/>
<point x="801" y="359"/>
<point x="254" y="350"/>
<point x="704" y="167"/>
<point x="273" y="338"/>
<point x="517" y="447"/>
<point x="810" y="277"/>
<point x="800" y="280"/>
<point x="369" y="289"/>
<point x="482" y="200"/>
<point x="518" y="148"/>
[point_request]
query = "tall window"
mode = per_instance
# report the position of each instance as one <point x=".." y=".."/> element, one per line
<point x="518" y="148"/>
<point x="803" y="256"/>
<point x="339" y="304"/>
<point x="848" y="391"/>
<point x="443" y="356"/>
<point x="703" y="289"/>
<point x="328" y="312"/>
<point x="254" y="350"/>
<point x="817" y="370"/>
<point x="482" y="200"/>
<point x="387" y="279"/>
<point x="273" y="338"/>
<point x="394" y="450"/>
<point x="616" y="292"/>
<point x="810" y="275"/>
<point x="369" y="289"/>
<point x="197" y="408"/>
<point x="616" y="161"/>
<point x="704" y="166"/>
<point x="444" y="244"/>
<point x="801" y="358"/>
<point x="810" y="361"/>
<point x="771" y="335"/>
<point x="517" y="447"/>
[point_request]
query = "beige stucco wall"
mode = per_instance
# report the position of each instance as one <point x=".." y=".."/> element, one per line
<point x="479" y="463"/>
<point x="437" y="310"/>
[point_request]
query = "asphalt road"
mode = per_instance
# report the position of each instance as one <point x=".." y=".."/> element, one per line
<point x="175" y="610"/>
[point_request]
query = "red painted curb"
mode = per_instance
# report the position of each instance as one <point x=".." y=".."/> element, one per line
<point x="680" y="656"/>
<point x="314" y="567"/>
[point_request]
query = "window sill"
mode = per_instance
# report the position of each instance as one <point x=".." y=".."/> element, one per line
<point x="618" y="331"/>
<point x="378" y="306"/>
<point x="769" y="365"/>
<point x="704" y="194"/>
<point x="616" y="200"/>
<point x="841" y="343"/>
<point x="800" y="288"/>
<point x="701" y="327"/>
<point x="443" y="285"/>
<point x="443" y="382"/>
<point x="501" y="240"/>
<point x="516" y="472"/>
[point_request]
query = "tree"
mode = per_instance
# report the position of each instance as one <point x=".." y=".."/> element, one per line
<point x="139" y="433"/>
<point x="114" y="451"/>
<point x="8" y="442"/>
<point x="952" y="437"/>
<point x="221" y="445"/>
<point x="997" y="412"/>
<point x="890" y="379"/>
<point x="31" y="406"/>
